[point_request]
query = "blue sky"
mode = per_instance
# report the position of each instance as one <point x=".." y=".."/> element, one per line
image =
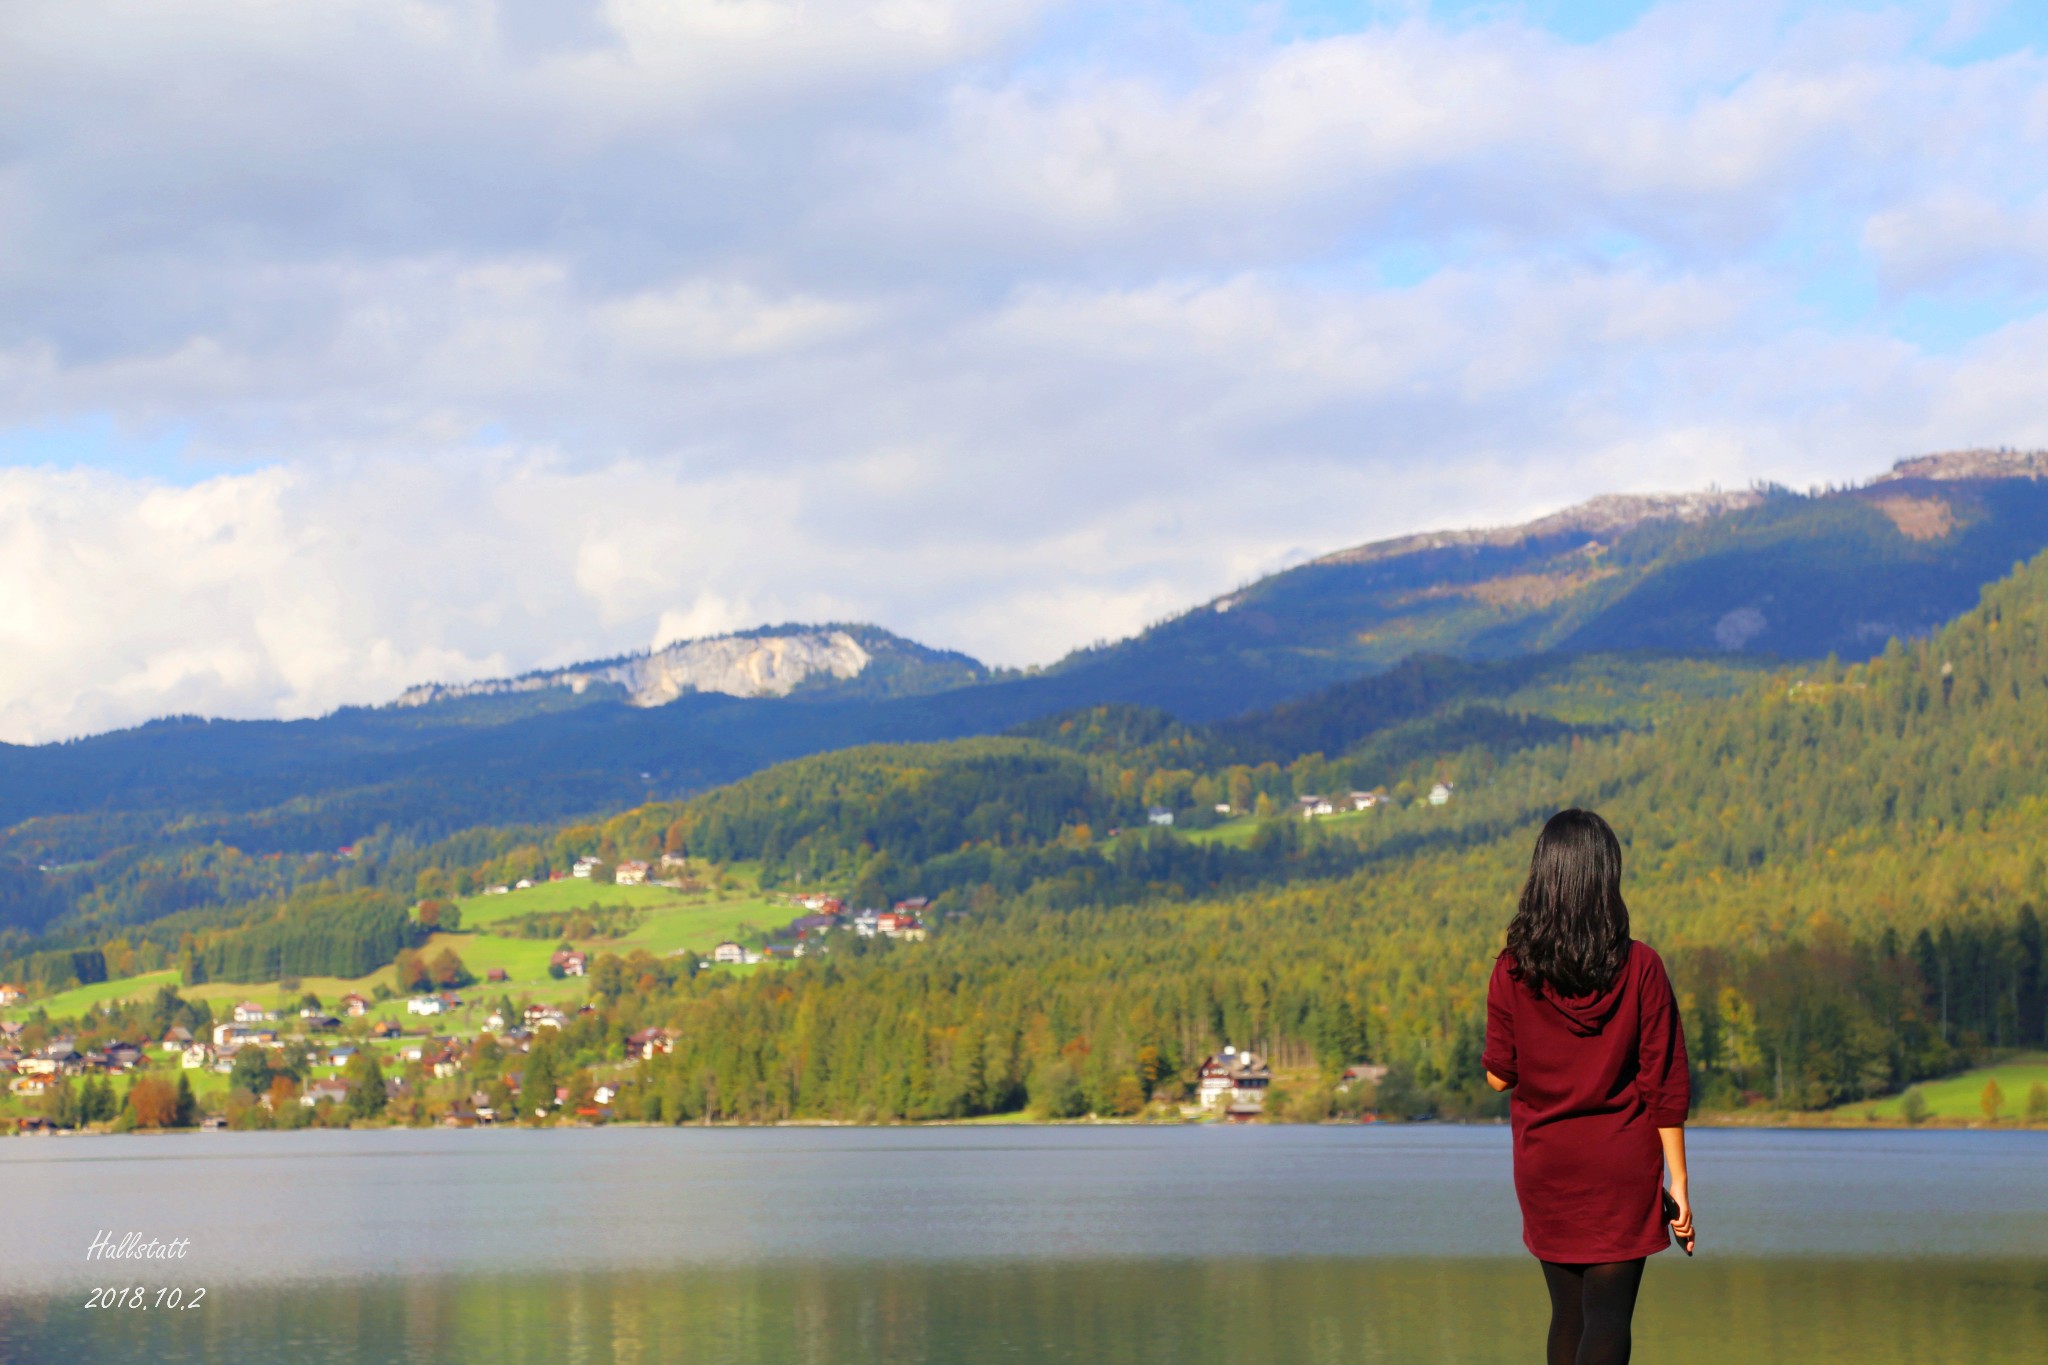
<point x="350" y="346"/>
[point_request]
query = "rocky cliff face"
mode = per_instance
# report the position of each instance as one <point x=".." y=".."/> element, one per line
<point x="739" y="665"/>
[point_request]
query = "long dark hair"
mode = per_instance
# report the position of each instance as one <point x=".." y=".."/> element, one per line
<point x="1570" y="932"/>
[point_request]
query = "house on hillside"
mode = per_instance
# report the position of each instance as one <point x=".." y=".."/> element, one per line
<point x="1234" y="1082"/>
<point x="1312" y="806"/>
<point x="1440" y="794"/>
<point x="424" y="1004"/>
<point x="196" y="1057"/>
<point x="728" y="952"/>
<point x="586" y="865"/>
<point x="803" y="926"/>
<point x="1363" y="1074"/>
<point x="673" y="861"/>
<point x="649" y="1041"/>
<point x="631" y="873"/>
<point x="249" y="1012"/>
<point x="354" y="1006"/>
<point x="571" y="962"/>
<point x="176" y="1038"/>
<point x="912" y="905"/>
<point x="1159" y="815"/>
<point x="523" y="884"/>
<point x="333" y="1091"/>
<point x="497" y="974"/>
<point x="1364" y="800"/>
<point x="12" y="994"/>
<point x="385" y="1028"/>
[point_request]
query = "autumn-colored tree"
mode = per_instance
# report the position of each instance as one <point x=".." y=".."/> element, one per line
<point x="446" y="969"/>
<point x="1991" y="1100"/>
<point x="283" y="1093"/>
<point x="153" y="1103"/>
<point x="412" y="971"/>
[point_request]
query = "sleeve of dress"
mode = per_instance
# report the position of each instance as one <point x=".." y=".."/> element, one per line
<point x="1499" y="1056"/>
<point x="1663" y="1078"/>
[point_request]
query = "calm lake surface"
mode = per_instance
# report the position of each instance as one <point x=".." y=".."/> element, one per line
<point x="1253" y="1246"/>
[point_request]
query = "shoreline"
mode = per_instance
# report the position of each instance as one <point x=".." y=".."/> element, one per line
<point x="1779" y="1122"/>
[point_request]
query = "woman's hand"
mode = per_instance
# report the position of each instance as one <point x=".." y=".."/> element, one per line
<point x="1673" y="1141"/>
<point x="1497" y="1083"/>
<point x="1681" y="1226"/>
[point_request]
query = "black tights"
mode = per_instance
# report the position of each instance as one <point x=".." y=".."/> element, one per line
<point x="1590" y="1308"/>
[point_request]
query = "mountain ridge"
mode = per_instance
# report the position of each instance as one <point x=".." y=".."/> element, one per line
<point x="765" y="661"/>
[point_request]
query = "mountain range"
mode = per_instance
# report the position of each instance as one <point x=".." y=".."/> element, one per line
<point x="1745" y="576"/>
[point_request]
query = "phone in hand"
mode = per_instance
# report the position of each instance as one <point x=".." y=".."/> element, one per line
<point x="1670" y="1217"/>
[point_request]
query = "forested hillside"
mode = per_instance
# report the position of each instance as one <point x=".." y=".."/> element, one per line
<point x="1841" y="862"/>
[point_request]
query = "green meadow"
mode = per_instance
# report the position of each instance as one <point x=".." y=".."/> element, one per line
<point x="672" y="921"/>
<point x="1960" y="1097"/>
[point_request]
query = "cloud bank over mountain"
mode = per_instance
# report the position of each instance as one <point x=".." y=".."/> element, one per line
<point x="348" y="346"/>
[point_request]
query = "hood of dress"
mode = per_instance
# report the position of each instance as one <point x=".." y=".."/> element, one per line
<point x="1586" y="1015"/>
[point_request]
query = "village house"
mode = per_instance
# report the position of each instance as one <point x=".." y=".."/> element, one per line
<point x="1360" y="1075"/>
<point x="424" y="1004"/>
<point x="1364" y="800"/>
<point x="1235" y="1082"/>
<point x="670" y="861"/>
<point x="480" y="1104"/>
<point x="341" y="1056"/>
<point x="235" y="1035"/>
<point x="318" y="1021"/>
<point x="728" y="952"/>
<point x="631" y="873"/>
<point x="12" y="994"/>
<point x="545" y="1016"/>
<point x="650" y="1041"/>
<point x="385" y="1028"/>
<point x="354" y="1006"/>
<point x="497" y="974"/>
<point x="1440" y="794"/>
<point x="584" y="866"/>
<point x="31" y="1085"/>
<point x="249" y="1012"/>
<point x="803" y="926"/>
<point x="1159" y="815"/>
<point x="196" y="1057"/>
<point x="523" y="884"/>
<point x="913" y="905"/>
<point x="176" y="1038"/>
<point x="571" y="962"/>
<point x="499" y="890"/>
<point x="333" y="1091"/>
<point x="494" y="1022"/>
<point x="1312" y="806"/>
<point x="445" y="1064"/>
<point x="605" y="1094"/>
<point x="899" y="924"/>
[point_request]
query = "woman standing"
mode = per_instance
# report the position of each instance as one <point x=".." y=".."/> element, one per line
<point x="1582" y="1026"/>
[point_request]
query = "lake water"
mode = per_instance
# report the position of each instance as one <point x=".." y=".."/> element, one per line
<point x="931" y="1246"/>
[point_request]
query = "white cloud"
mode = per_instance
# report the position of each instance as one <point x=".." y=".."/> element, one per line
<point x="507" y="334"/>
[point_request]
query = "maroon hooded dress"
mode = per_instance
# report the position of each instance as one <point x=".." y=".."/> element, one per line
<point x="1594" y="1078"/>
